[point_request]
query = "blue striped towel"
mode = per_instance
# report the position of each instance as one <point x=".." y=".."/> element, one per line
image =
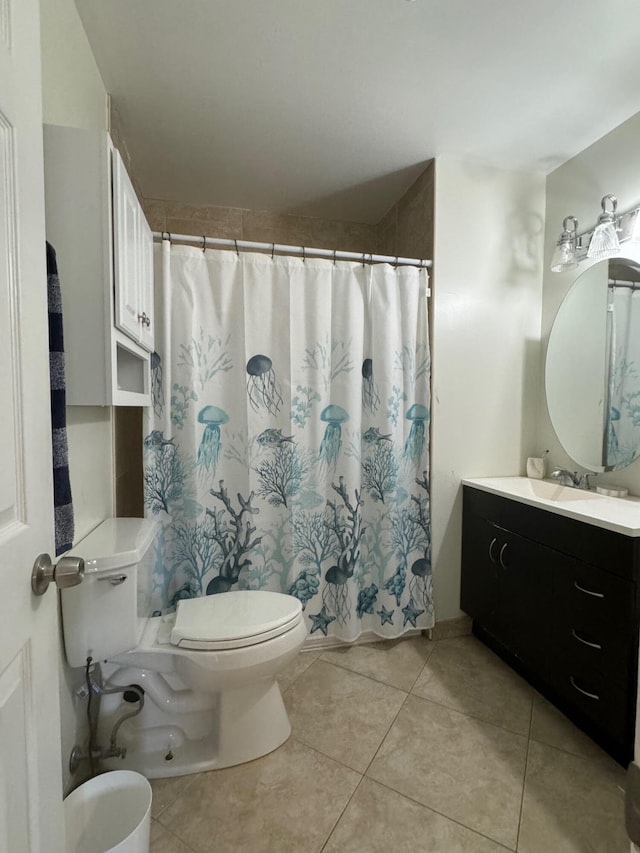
<point x="62" y="504"/>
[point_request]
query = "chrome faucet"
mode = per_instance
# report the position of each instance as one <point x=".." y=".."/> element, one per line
<point x="571" y="478"/>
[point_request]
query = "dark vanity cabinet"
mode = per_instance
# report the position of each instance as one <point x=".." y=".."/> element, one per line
<point x="557" y="599"/>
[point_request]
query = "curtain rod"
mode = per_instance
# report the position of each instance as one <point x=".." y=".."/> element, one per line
<point x="331" y="254"/>
<point x="629" y="285"/>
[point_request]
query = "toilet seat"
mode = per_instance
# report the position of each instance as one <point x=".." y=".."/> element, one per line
<point x="234" y="620"/>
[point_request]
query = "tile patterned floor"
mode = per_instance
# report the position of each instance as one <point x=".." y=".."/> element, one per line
<point x="409" y="745"/>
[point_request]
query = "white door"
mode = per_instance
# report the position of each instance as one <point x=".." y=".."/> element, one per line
<point x="30" y="768"/>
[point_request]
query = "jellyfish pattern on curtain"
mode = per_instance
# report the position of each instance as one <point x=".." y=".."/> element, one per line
<point x="622" y="443"/>
<point x="287" y="447"/>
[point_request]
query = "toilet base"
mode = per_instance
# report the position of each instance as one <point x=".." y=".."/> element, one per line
<point x="211" y="731"/>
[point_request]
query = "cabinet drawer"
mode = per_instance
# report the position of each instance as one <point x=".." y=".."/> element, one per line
<point x="597" y="699"/>
<point x="593" y="597"/>
<point x="597" y="648"/>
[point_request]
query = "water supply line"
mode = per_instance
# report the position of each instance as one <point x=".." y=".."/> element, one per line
<point x="113" y="750"/>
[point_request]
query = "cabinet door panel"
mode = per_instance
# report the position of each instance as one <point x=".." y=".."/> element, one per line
<point x="526" y="576"/>
<point x="480" y="590"/>
<point x="126" y="240"/>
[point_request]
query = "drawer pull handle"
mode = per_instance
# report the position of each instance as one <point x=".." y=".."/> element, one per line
<point x="494" y="541"/>
<point x="580" y="639"/>
<point x="502" y="551"/>
<point x="588" y="591"/>
<point x="580" y="690"/>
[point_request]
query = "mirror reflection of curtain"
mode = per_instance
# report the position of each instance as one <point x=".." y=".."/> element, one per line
<point x="622" y="435"/>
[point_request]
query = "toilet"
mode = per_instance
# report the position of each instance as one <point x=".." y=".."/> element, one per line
<point x="208" y="671"/>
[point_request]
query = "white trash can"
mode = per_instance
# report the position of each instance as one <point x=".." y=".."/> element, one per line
<point x="110" y="813"/>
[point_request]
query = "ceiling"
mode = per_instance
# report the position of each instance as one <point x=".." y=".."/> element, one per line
<point x="330" y="108"/>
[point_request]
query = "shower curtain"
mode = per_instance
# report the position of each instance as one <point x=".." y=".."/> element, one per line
<point x="622" y="443"/>
<point x="287" y="447"/>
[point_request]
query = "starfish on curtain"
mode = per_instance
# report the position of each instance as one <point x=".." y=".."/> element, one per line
<point x="385" y="615"/>
<point x="411" y="613"/>
<point x="321" y="621"/>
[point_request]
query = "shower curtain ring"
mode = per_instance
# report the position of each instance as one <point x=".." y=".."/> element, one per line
<point x="363" y="259"/>
<point x="237" y="249"/>
<point x="273" y="250"/>
<point x="304" y="255"/>
<point x="335" y="251"/>
<point x="204" y="243"/>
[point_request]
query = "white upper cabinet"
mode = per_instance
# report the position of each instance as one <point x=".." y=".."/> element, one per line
<point x="104" y="249"/>
<point x="133" y="250"/>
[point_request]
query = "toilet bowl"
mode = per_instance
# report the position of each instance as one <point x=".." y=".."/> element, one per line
<point x="208" y="672"/>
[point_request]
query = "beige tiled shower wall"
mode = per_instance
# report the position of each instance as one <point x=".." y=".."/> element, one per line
<point x="263" y="226"/>
<point x="406" y="230"/>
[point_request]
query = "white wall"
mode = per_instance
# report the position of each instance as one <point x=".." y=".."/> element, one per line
<point x="610" y="165"/>
<point x="74" y="95"/>
<point x="73" y="91"/>
<point x="486" y="342"/>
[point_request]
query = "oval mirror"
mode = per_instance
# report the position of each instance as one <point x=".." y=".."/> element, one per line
<point x="592" y="373"/>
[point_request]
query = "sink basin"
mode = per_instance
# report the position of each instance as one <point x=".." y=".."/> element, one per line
<point x="551" y="490"/>
<point x="613" y="513"/>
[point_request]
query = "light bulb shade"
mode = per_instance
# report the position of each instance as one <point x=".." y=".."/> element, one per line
<point x="564" y="257"/>
<point x="564" y="254"/>
<point x="604" y="243"/>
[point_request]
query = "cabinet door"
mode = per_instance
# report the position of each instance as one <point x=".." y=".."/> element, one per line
<point x="146" y="285"/>
<point x="527" y="581"/>
<point x="480" y="591"/>
<point x="126" y="242"/>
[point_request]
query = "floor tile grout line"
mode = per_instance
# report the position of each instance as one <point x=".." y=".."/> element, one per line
<point x="177" y="837"/>
<point x="524" y="775"/>
<point x="370" y="677"/>
<point x="296" y="677"/>
<point x="470" y="716"/>
<point x="424" y="665"/>
<point x="304" y="743"/>
<point x="436" y="811"/>
<point x="601" y="761"/>
<point x="177" y="796"/>
<point x="333" y="828"/>
<point x="386" y="734"/>
<point x="360" y="675"/>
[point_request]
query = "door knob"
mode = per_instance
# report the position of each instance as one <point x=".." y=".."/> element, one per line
<point x="68" y="571"/>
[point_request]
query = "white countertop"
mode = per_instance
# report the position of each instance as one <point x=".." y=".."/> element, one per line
<point x="621" y="515"/>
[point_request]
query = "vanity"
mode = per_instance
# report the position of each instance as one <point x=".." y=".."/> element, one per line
<point x="550" y="577"/>
<point x="550" y="573"/>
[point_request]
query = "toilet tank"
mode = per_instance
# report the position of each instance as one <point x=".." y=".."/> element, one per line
<point x="105" y="615"/>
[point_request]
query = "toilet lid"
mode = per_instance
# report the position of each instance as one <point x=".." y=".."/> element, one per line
<point x="232" y="620"/>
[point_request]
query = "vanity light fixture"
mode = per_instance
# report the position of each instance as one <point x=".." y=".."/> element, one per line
<point x="564" y="254"/>
<point x="601" y="241"/>
<point x="605" y="242"/>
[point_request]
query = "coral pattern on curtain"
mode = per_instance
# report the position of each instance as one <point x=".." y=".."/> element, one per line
<point x="288" y="444"/>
